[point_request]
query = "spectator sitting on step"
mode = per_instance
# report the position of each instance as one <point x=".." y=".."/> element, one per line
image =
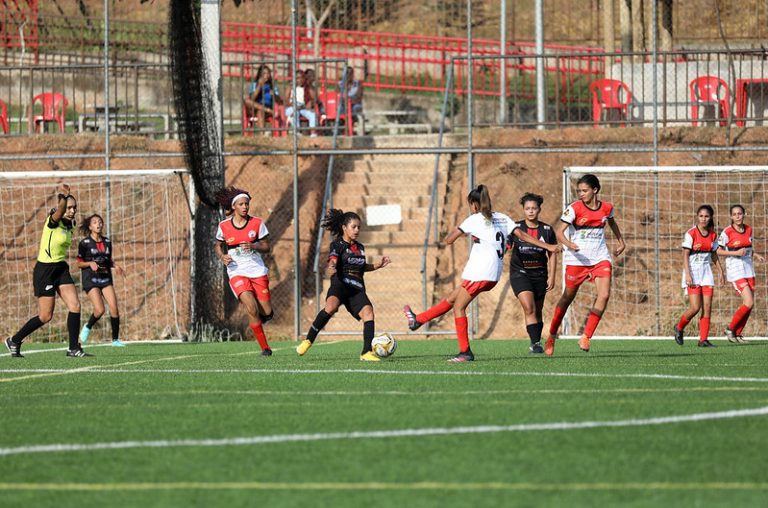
<point x="354" y="92"/>
<point x="309" y="75"/>
<point x="303" y="102"/>
<point x="261" y="98"/>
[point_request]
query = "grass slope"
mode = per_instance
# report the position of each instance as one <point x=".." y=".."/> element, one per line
<point x="222" y="391"/>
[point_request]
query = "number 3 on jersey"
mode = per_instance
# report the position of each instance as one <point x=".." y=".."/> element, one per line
<point x="501" y="242"/>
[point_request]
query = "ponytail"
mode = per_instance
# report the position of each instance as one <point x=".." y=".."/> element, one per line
<point x="482" y="198"/>
<point x="335" y="219"/>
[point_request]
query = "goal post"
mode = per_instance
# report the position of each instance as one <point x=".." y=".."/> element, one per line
<point x="151" y="231"/>
<point x="655" y="206"/>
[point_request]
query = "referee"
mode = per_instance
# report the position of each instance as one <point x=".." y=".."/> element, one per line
<point x="51" y="276"/>
<point x="528" y="274"/>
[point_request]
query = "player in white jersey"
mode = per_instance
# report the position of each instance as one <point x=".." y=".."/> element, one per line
<point x="241" y="239"/>
<point x="587" y="257"/>
<point x="735" y="244"/>
<point x="488" y="230"/>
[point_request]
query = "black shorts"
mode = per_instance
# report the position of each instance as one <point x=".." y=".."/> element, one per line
<point x="535" y="282"/>
<point x="96" y="282"/>
<point x="47" y="277"/>
<point x="353" y="299"/>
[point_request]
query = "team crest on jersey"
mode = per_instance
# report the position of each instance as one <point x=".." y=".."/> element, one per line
<point x="583" y="220"/>
<point x="737" y="243"/>
<point x="696" y="246"/>
<point x="230" y="240"/>
<point x="252" y="234"/>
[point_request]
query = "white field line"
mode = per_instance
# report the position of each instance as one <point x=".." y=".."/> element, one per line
<point x="387" y="486"/>
<point x="594" y="375"/>
<point x="382" y="434"/>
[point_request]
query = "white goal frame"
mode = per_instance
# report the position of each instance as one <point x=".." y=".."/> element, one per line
<point x="112" y="177"/>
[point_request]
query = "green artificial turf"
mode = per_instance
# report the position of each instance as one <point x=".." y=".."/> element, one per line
<point x="174" y="410"/>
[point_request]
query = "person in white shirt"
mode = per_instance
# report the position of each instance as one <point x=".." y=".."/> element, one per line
<point x="489" y="231"/>
<point x="735" y="244"/>
<point x="303" y="103"/>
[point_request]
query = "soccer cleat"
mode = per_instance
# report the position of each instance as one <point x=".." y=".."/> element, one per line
<point x="678" y="336"/>
<point x="413" y="324"/>
<point x="584" y="343"/>
<point x="302" y="348"/>
<point x="77" y="353"/>
<point x="466" y="356"/>
<point x="705" y="343"/>
<point x="84" y="334"/>
<point x="536" y="348"/>
<point x="266" y="352"/>
<point x="731" y="336"/>
<point x="117" y="343"/>
<point x="741" y="340"/>
<point x="549" y="346"/>
<point x="370" y="356"/>
<point x="13" y="348"/>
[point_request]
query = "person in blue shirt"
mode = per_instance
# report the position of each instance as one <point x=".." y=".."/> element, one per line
<point x="262" y="97"/>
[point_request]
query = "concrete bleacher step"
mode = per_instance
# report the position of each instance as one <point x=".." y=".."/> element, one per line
<point x="361" y="189"/>
<point x="387" y="177"/>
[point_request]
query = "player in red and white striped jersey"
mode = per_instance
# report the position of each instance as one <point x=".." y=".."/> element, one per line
<point x="735" y="244"/>
<point x="240" y="241"/>
<point x="587" y="256"/>
<point x="699" y="251"/>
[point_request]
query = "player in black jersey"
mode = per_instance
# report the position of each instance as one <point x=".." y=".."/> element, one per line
<point x="94" y="258"/>
<point x="528" y="274"/>
<point x="346" y="266"/>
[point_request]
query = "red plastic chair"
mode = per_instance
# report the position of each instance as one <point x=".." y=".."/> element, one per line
<point x="54" y="110"/>
<point x="331" y="102"/>
<point x="610" y="94"/>
<point x="3" y="117"/>
<point x="709" y="90"/>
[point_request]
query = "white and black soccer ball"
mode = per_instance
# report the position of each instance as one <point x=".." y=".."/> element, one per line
<point x="384" y="345"/>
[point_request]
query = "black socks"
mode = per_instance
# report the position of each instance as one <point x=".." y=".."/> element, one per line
<point x="73" y="327"/>
<point x="320" y="321"/>
<point x="29" y="327"/>
<point x="534" y="332"/>
<point x="368" y="330"/>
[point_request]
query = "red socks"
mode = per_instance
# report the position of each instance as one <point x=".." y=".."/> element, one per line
<point x="258" y="331"/>
<point x="434" y="312"/>
<point x="740" y="329"/>
<point x="682" y="323"/>
<point x="739" y="320"/>
<point x="592" y="321"/>
<point x="557" y="318"/>
<point x="703" y="329"/>
<point x="461" y="333"/>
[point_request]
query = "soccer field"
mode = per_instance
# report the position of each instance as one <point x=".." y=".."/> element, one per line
<point x="631" y="423"/>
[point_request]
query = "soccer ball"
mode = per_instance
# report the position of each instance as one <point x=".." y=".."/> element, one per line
<point x="384" y="345"/>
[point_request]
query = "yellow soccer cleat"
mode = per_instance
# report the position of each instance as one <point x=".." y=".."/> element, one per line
<point x="302" y="348"/>
<point x="370" y="356"/>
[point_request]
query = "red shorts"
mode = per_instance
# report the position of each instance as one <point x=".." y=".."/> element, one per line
<point x="259" y="286"/>
<point x="740" y="284"/>
<point x="576" y="275"/>
<point x="701" y="290"/>
<point x="474" y="288"/>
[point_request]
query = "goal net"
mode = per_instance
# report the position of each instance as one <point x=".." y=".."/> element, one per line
<point x="149" y="214"/>
<point x="655" y="206"/>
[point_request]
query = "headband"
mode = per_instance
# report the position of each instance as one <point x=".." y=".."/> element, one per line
<point x="241" y="195"/>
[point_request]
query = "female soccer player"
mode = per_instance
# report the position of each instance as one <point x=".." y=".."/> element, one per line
<point x="94" y="258"/>
<point x="245" y="238"/>
<point x="699" y="250"/>
<point x="587" y="257"/>
<point x="51" y="276"/>
<point x="489" y="231"/>
<point x="736" y="244"/>
<point x="528" y="274"/>
<point x="346" y="266"/>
